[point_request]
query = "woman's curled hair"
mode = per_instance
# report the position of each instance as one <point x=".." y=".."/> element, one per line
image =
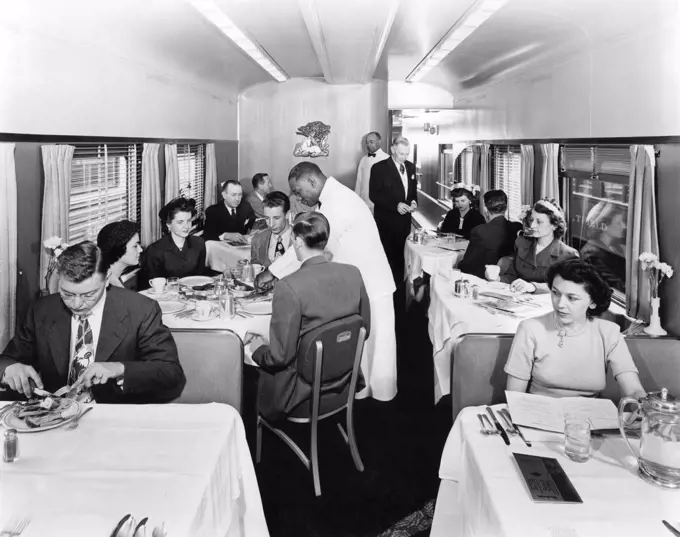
<point x="113" y="238"/>
<point x="581" y="272"/>
<point x="179" y="205"/>
<point x="551" y="208"/>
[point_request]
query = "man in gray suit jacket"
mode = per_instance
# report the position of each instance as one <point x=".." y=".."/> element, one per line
<point x="318" y="293"/>
<point x="262" y="186"/>
<point x="271" y="243"/>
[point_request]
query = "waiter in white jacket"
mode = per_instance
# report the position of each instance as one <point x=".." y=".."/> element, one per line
<point x="375" y="154"/>
<point x="353" y="240"/>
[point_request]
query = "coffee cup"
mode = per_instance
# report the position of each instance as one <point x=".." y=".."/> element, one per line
<point x="157" y="284"/>
<point x="492" y="272"/>
<point x="257" y="268"/>
<point x="203" y="309"/>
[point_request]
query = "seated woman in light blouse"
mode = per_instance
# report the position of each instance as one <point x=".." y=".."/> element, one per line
<point x="568" y="351"/>
<point x="119" y="244"/>
<point x="539" y="248"/>
<point x="177" y="254"/>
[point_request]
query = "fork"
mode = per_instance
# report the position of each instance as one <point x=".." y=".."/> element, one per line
<point x="486" y="429"/>
<point x="15" y="527"/>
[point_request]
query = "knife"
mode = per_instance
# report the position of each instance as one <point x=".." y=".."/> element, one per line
<point x="671" y="529"/>
<point x="506" y="415"/>
<point x="504" y="435"/>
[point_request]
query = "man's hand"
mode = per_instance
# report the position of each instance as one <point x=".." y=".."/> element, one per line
<point x="99" y="373"/>
<point x="265" y="280"/>
<point x="403" y="208"/>
<point x="234" y="237"/>
<point x="521" y="286"/>
<point x="17" y="377"/>
<point x="254" y="340"/>
<point x="414" y="205"/>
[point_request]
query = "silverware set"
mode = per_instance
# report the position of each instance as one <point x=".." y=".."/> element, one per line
<point x="496" y="428"/>
<point x="128" y="527"/>
<point x="15" y="527"/>
<point x="671" y="528"/>
<point x="494" y="310"/>
<point x="185" y="314"/>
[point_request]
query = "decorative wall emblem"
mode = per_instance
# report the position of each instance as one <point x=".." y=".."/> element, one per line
<point x="315" y="143"/>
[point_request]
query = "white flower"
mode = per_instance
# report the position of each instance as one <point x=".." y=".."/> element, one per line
<point x="57" y="252"/>
<point x="648" y="257"/>
<point x="52" y="242"/>
<point x="665" y="269"/>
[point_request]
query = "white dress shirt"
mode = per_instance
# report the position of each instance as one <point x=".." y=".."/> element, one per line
<point x="364" y="175"/>
<point x="404" y="176"/>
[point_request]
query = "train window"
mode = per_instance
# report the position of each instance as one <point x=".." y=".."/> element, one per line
<point x="507" y="162"/>
<point x="597" y="208"/>
<point x="191" y="161"/>
<point x="106" y="186"/>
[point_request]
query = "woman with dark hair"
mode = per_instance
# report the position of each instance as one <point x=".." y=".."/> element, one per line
<point x="119" y="244"/>
<point x="568" y="351"/>
<point x="539" y="248"/>
<point x="464" y="217"/>
<point x="177" y="254"/>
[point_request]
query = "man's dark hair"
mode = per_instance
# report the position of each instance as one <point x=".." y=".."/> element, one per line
<point x="230" y="182"/>
<point x="179" y="205"/>
<point x="496" y="201"/>
<point x="578" y="271"/>
<point x="113" y="238"/>
<point x="313" y="228"/>
<point x="259" y="179"/>
<point x="277" y="199"/>
<point x="79" y="262"/>
<point x="305" y="168"/>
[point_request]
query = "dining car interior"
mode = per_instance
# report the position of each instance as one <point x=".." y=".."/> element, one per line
<point x="339" y="268"/>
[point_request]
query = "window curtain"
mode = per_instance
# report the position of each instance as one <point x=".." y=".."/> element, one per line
<point x="642" y="234"/>
<point x="550" y="185"/>
<point x="171" y="173"/>
<point x="57" y="160"/>
<point x="210" y="190"/>
<point x="151" y="194"/>
<point x="8" y="243"/>
<point x="526" y="170"/>
<point x="485" y="169"/>
<point x="476" y="164"/>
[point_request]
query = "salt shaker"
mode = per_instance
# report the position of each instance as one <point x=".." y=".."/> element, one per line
<point x="227" y="305"/>
<point x="10" y="452"/>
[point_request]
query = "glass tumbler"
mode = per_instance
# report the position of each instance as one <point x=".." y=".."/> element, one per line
<point x="577" y="439"/>
<point x="172" y="286"/>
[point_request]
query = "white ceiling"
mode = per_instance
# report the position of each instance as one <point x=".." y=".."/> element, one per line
<point x="339" y="40"/>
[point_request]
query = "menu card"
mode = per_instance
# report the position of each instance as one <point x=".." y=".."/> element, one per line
<point x="546" y="479"/>
<point x="548" y="413"/>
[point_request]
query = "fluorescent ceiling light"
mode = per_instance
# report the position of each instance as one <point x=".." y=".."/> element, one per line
<point x="472" y="19"/>
<point x="211" y="11"/>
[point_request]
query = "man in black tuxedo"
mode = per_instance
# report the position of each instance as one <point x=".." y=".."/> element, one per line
<point x="231" y="219"/>
<point x="393" y="189"/>
<point x="108" y="342"/>
<point x="493" y="240"/>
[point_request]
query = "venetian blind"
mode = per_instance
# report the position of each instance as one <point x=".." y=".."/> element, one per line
<point x="106" y="184"/>
<point x="191" y="160"/>
<point x="507" y="160"/>
<point x="610" y="160"/>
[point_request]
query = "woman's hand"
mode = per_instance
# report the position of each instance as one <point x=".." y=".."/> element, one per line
<point x="521" y="286"/>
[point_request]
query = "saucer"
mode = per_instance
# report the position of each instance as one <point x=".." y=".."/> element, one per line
<point x="214" y="315"/>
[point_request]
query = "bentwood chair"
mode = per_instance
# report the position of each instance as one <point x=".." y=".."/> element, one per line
<point x="213" y="365"/>
<point x="324" y="360"/>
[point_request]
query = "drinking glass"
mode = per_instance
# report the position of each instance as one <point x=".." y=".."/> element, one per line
<point x="577" y="439"/>
<point x="173" y="285"/>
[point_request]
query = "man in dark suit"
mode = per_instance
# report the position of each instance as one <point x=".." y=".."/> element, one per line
<point x="493" y="240"/>
<point x="318" y="293"/>
<point x="262" y="186"/>
<point x="393" y="189"/>
<point x="231" y="219"/>
<point x="110" y="345"/>
<point x="271" y="243"/>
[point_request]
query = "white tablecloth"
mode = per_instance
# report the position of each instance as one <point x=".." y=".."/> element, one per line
<point x="430" y="258"/>
<point x="493" y="501"/>
<point x="450" y="317"/>
<point x="220" y="255"/>
<point x="186" y="465"/>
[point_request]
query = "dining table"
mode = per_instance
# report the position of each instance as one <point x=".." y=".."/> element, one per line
<point x="435" y="254"/>
<point x="187" y="467"/>
<point x="220" y="255"/>
<point x="450" y="316"/>
<point x="482" y="492"/>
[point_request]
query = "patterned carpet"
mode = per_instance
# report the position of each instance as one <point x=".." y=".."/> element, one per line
<point x="416" y="524"/>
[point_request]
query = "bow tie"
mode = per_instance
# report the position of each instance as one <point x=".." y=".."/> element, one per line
<point x="371" y="154"/>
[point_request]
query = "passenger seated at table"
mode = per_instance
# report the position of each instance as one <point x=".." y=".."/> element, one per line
<point x="318" y="293"/>
<point x="606" y="247"/>
<point x="539" y="248"/>
<point x="568" y="351"/>
<point x="493" y="240"/>
<point x="463" y="218"/>
<point x="119" y="244"/>
<point x="271" y="243"/>
<point x="262" y="186"/>
<point x="177" y="254"/>
<point x="110" y="342"/>
<point x="231" y="218"/>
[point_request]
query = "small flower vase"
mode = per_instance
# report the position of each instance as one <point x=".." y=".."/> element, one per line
<point x="654" y="328"/>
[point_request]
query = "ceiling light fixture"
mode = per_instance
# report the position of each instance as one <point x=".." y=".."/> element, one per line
<point x="211" y="11"/>
<point x="472" y="19"/>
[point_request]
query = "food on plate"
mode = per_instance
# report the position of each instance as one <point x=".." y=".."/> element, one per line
<point x="45" y="412"/>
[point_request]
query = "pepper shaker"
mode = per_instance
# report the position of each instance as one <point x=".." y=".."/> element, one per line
<point x="10" y="452"/>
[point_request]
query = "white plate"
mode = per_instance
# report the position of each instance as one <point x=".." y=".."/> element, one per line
<point x="500" y="286"/>
<point x="257" y="308"/>
<point x="214" y="315"/>
<point x="191" y="281"/>
<point x="11" y="421"/>
<point x="171" y="306"/>
<point x="156" y="295"/>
